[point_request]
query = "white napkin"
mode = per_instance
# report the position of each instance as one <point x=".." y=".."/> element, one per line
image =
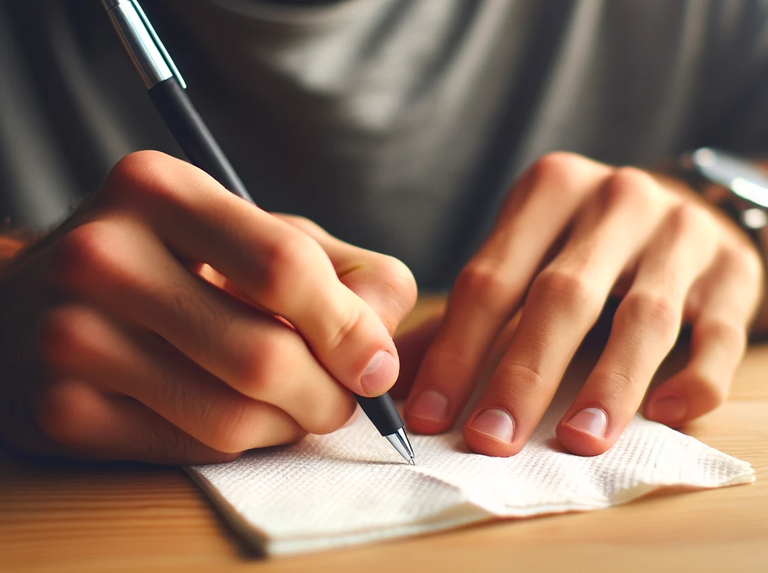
<point x="351" y="487"/>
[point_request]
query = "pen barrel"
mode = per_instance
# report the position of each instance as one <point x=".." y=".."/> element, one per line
<point x="193" y="136"/>
<point x="382" y="412"/>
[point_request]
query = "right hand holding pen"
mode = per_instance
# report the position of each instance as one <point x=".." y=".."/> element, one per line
<point x="114" y="346"/>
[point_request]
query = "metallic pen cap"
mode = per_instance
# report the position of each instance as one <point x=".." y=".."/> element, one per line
<point x="142" y="43"/>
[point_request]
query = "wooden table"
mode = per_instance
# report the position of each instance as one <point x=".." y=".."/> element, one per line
<point x="125" y="517"/>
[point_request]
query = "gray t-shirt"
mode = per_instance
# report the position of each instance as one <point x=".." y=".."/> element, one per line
<point x="395" y="124"/>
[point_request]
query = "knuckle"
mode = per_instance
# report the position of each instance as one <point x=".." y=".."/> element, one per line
<point x="291" y="251"/>
<point x="228" y="427"/>
<point x="260" y="371"/>
<point x="60" y="412"/>
<point x="83" y="253"/>
<point x="63" y="340"/>
<point x="527" y="378"/>
<point x="655" y="310"/>
<point x="689" y="216"/>
<point x="567" y="290"/>
<point x="137" y="163"/>
<point x="289" y="260"/>
<point x="149" y="182"/>
<point x="620" y="384"/>
<point x="745" y="262"/>
<point x="555" y="168"/>
<point x="399" y="279"/>
<point x="164" y="442"/>
<point x="442" y="362"/>
<point x="631" y="178"/>
<point x="627" y="184"/>
<point x="690" y="220"/>
<point x="397" y="283"/>
<point x="710" y="391"/>
<point x="210" y="318"/>
<point x="554" y="176"/>
<point x="353" y="322"/>
<point x="727" y="335"/>
<point x="753" y="265"/>
<point x="137" y="174"/>
<point x="482" y="281"/>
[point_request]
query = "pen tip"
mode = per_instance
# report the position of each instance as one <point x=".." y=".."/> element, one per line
<point x="413" y="462"/>
<point x="399" y="441"/>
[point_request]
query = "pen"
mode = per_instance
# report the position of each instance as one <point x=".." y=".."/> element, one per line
<point x="166" y="89"/>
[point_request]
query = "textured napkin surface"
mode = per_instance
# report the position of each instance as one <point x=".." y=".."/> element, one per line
<point x="351" y="487"/>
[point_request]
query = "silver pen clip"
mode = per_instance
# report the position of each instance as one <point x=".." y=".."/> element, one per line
<point x="142" y="43"/>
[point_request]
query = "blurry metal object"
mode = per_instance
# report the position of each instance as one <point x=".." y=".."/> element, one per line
<point x="735" y="184"/>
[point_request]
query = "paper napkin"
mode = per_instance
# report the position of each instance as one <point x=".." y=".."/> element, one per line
<point x="351" y="487"/>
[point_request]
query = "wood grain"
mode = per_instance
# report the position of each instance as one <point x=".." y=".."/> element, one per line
<point x="63" y="516"/>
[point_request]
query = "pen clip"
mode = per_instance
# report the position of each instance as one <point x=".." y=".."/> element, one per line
<point x="160" y="47"/>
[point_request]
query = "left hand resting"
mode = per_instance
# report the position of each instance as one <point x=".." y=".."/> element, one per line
<point x="571" y="233"/>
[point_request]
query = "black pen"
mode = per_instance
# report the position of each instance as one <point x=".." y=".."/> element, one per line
<point x="166" y="89"/>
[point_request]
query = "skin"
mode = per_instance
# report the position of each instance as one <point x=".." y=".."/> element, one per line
<point x="123" y="342"/>
<point x="571" y="233"/>
<point x="168" y="321"/>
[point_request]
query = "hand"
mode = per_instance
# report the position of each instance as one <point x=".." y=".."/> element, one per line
<point x="121" y="341"/>
<point x="571" y="233"/>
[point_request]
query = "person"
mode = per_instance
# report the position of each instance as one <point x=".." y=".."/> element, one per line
<point x="167" y="321"/>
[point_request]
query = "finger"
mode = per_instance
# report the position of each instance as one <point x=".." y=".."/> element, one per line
<point x="718" y="342"/>
<point x="276" y="265"/>
<point x="645" y="327"/>
<point x="88" y="424"/>
<point x="563" y="303"/>
<point x="143" y="284"/>
<point x="298" y="396"/>
<point x="383" y="282"/>
<point x="490" y="288"/>
<point x="411" y="347"/>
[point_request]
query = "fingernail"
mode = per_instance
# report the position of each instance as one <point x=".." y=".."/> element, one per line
<point x="590" y="421"/>
<point x="494" y="423"/>
<point x="668" y="410"/>
<point x="380" y="374"/>
<point x="430" y="405"/>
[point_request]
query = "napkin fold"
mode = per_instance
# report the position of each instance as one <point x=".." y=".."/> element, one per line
<point x="351" y="487"/>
